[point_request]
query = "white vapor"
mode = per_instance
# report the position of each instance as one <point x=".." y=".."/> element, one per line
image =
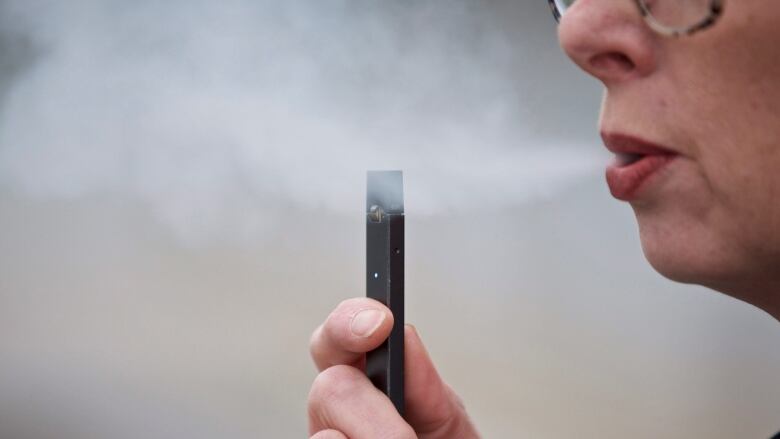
<point x="215" y="112"/>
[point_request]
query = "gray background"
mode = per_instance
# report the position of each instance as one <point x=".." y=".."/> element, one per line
<point x="181" y="204"/>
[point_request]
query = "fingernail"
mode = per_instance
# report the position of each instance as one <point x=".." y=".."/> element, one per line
<point x="366" y="322"/>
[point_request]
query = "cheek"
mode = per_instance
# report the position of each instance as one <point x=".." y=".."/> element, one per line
<point x="721" y="218"/>
<point x="718" y="219"/>
<point x="718" y="216"/>
<point x="740" y="161"/>
<point x="733" y="126"/>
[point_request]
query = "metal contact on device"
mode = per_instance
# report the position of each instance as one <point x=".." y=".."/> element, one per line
<point x="376" y="214"/>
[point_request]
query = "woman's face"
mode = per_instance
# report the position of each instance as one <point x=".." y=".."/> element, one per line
<point x="708" y="208"/>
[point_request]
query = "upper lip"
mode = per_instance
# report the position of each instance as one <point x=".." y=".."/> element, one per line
<point x="620" y="143"/>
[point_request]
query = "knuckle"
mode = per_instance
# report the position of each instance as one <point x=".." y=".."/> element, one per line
<point x="334" y="384"/>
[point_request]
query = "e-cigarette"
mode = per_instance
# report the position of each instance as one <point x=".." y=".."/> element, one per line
<point x="385" y="278"/>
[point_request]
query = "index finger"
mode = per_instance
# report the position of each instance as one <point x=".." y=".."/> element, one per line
<point x="355" y="327"/>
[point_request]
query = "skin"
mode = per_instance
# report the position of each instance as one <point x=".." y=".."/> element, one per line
<point x="343" y="399"/>
<point x="711" y="217"/>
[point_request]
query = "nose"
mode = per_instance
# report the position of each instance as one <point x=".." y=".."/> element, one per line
<point x="609" y="40"/>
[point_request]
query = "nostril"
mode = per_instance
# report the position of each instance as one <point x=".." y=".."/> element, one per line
<point x="612" y="63"/>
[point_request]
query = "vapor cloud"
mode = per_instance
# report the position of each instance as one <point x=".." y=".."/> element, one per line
<point x="215" y="113"/>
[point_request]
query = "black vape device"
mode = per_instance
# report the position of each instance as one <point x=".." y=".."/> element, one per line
<point x="385" y="278"/>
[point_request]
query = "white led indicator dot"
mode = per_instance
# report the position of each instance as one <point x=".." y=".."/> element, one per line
<point x="376" y="275"/>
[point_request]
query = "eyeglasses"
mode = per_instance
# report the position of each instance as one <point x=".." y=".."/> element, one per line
<point x="672" y="18"/>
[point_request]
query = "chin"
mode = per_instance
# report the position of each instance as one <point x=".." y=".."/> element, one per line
<point x="685" y="250"/>
<point x="697" y="265"/>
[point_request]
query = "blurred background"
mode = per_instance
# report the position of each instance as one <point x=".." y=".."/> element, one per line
<point x="181" y="203"/>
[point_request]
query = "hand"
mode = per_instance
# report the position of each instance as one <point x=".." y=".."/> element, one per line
<point x="343" y="403"/>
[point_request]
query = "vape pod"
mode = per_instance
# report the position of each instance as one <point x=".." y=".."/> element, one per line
<point x="385" y="278"/>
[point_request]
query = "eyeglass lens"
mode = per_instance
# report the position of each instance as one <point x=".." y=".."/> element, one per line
<point x="673" y="14"/>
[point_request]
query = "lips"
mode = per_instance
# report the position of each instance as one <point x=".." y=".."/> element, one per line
<point x="636" y="164"/>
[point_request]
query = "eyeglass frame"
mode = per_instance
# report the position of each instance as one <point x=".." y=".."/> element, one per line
<point x="715" y="12"/>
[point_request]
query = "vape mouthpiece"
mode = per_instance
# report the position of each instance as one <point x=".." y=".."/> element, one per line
<point x="385" y="192"/>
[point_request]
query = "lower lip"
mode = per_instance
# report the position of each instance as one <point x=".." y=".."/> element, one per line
<point x="626" y="182"/>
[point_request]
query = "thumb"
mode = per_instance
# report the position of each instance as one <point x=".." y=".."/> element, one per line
<point x="432" y="408"/>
